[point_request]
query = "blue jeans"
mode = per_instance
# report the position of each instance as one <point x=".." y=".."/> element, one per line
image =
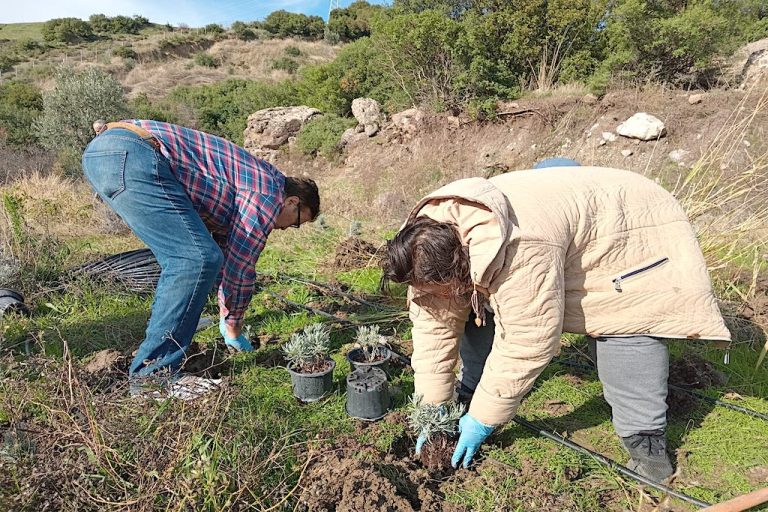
<point x="556" y="162"/>
<point x="136" y="181"/>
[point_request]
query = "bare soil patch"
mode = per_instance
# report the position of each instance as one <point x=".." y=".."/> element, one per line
<point x="690" y="372"/>
<point x="354" y="253"/>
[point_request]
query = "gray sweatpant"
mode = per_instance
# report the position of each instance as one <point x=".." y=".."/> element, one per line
<point x="633" y="370"/>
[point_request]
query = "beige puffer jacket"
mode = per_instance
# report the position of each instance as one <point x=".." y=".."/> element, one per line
<point x="585" y="250"/>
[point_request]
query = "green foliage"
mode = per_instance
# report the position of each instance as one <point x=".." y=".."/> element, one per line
<point x="20" y="105"/>
<point x="118" y="24"/>
<point x="288" y="24"/>
<point x="8" y="60"/>
<point x="223" y="108"/>
<point x="430" y="420"/>
<point x="354" y="21"/>
<point x="243" y="31"/>
<point x="143" y="108"/>
<point x="124" y="52"/>
<point x="213" y="28"/>
<point x="67" y="30"/>
<point x="293" y="51"/>
<point x="308" y="347"/>
<point x="78" y="99"/>
<point x="322" y="135"/>
<point x="206" y="60"/>
<point x="285" y="64"/>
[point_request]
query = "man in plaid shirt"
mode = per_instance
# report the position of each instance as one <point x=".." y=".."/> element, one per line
<point x="205" y="208"/>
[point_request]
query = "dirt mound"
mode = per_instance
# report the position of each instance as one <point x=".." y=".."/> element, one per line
<point x="354" y="253"/>
<point x="691" y="372"/>
<point x="106" y="371"/>
<point x="351" y="477"/>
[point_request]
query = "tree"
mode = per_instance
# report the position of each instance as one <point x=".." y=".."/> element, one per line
<point x="66" y="30"/>
<point x="353" y="22"/>
<point x="78" y="99"/>
<point x="20" y="104"/>
<point x="287" y="24"/>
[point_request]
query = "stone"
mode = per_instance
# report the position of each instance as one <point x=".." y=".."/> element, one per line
<point x="270" y="128"/>
<point x="366" y="110"/>
<point x="602" y="142"/>
<point x="695" y="99"/>
<point x="749" y="64"/>
<point x="642" y="126"/>
<point x="627" y="153"/>
<point x="590" y="99"/>
<point x="371" y="129"/>
<point x="351" y="136"/>
<point x="609" y="137"/>
<point x="678" y="156"/>
<point x="409" y="121"/>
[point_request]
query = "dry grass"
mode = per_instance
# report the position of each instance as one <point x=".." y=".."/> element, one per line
<point x="249" y="60"/>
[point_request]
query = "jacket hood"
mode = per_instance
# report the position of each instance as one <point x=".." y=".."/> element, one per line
<point x="487" y="258"/>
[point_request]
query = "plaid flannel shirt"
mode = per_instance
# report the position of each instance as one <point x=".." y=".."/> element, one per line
<point x="237" y="195"/>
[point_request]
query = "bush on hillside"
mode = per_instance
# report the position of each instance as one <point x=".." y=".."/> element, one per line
<point x="207" y="60"/>
<point x="322" y="135"/>
<point x="213" y="28"/>
<point x="288" y="24"/>
<point x="124" y="52"/>
<point x="354" y="21"/>
<point x="285" y="64"/>
<point x="293" y="51"/>
<point x="67" y="30"/>
<point x="20" y="105"/>
<point x="8" y="60"/>
<point x="142" y="107"/>
<point x="77" y="99"/>
<point x="242" y="31"/>
<point x="118" y="24"/>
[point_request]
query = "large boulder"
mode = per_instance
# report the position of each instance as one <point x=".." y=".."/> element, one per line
<point x="368" y="113"/>
<point x="409" y="121"/>
<point x="270" y="128"/>
<point x="749" y="64"/>
<point x="642" y="126"/>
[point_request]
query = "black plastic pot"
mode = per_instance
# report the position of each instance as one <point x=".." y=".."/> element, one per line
<point x="311" y="387"/>
<point x="12" y="301"/>
<point x="367" y="394"/>
<point x="382" y="364"/>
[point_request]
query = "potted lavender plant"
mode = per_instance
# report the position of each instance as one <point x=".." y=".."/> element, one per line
<point x="439" y="425"/>
<point x="309" y="364"/>
<point x="372" y="349"/>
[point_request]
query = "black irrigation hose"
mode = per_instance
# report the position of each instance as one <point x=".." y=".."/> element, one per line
<point x="700" y="396"/>
<point x="608" y="462"/>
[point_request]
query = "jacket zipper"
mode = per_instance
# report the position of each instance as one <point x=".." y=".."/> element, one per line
<point x="617" y="281"/>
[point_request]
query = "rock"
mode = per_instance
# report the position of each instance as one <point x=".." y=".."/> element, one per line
<point x="642" y="126"/>
<point x="746" y="143"/>
<point x="749" y="64"/>
<point x="590" y="99"/>
<point x="270" y="128"/>
<point x="602" y="142"/>
<point x="609" y="137"/>
<point x="368" y="113"/>
<point x="627" y="153"/>
<point x="371" y="129"/>
<point x="408" y="121"/>
<point x="351" y="136"/>
<point x="678" y="156"/>
<point x="695" y="99"/>
<point x="102" y="360"/>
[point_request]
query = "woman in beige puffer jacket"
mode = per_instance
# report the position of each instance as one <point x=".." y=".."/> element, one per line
<point x="587" y="250"/>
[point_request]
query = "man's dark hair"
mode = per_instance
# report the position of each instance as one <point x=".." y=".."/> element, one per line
<point x="306" y="190"/>
<point x="427" y="252"/>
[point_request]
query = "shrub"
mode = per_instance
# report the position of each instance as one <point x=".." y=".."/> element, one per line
<point x="285" y="64"/>
<point x="354" y="21"/>
<point x="143" y="108"/>
<point x="67" y="30"/>
<point x="309" y="348"/>
<point x="322" y="135"/>
<point x="243" y="31"/>
<point x="287" y="24"/>
<point x="20" y="105"/>
<point x="78" y="99"/>
<point x="213" y="28"/>
<point x="431" y="420"/>
<point x="124" y="52"/>
<point x="8" y="60"/>
<point x="371" y="342"/>
<point x="207" y="60"/>
<point x="293" y="51"/>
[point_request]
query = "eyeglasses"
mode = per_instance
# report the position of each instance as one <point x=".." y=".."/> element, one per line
<point x="298" y="216"/>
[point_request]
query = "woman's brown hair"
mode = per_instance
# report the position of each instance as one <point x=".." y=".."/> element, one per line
<point x="427" y="252"/>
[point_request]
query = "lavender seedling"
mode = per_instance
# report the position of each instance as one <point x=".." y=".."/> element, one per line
<point x="433" y="420"/>
<point x="307" y="350"/>
<point x="371" y="342"/>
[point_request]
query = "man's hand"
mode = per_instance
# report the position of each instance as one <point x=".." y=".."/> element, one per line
<point x="473" y="433"/>
<point x="234" y="338"/>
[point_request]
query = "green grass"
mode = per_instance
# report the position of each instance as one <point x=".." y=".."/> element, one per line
<point x="16" y="31"/>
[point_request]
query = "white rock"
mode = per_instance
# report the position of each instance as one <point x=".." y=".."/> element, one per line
<point x="609" y="137"/>
<point x="642" y="126"/>
<point x="366" y="111"/>
<point x="602" y="142"/>
<point x="746" y="143"/>
<point x="270" y="128"/>
<point x="695" y="99"/>
<point x="678" y="156"/>
<point x="626" y="153"/>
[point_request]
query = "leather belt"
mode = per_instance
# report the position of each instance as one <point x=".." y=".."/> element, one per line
<point x="138" y="130"/>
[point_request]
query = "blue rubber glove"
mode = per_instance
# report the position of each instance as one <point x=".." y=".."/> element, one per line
<point x="473" y="433"/>
<point x="419" y="443"/>
<point x="241" y="343"/>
